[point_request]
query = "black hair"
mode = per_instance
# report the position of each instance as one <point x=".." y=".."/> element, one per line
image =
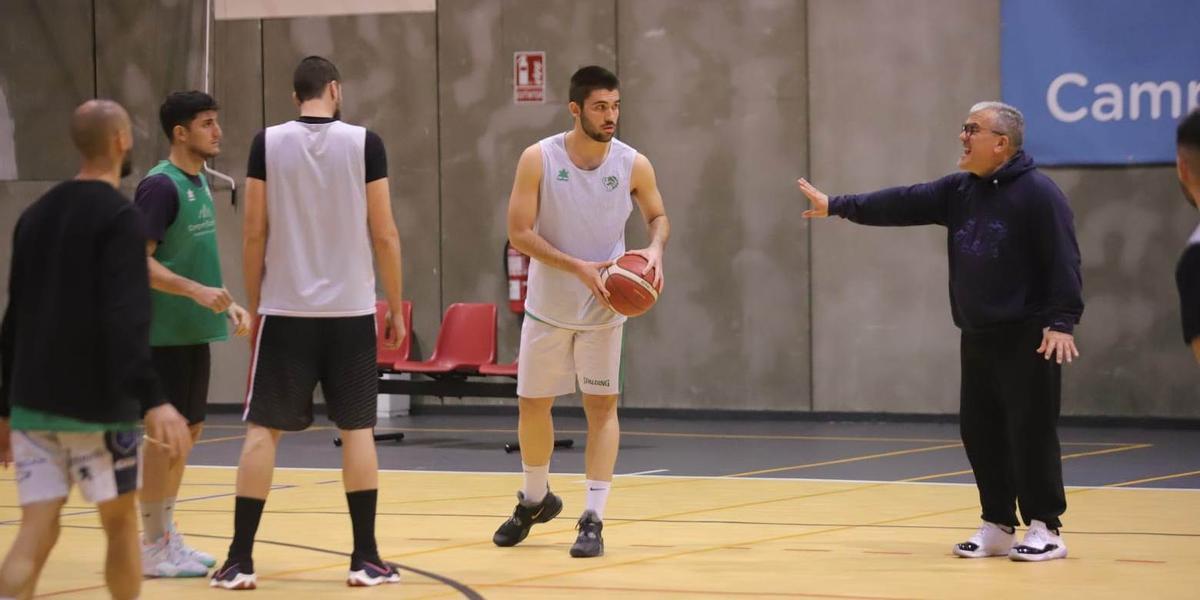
<point x="589" y="79"/>
<point x="311" y="76"/>
<point x="181" y="108"/>
<point x="1188" y="133"/>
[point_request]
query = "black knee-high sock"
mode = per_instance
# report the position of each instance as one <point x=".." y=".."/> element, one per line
<point x="362" y="519"/>
<point x="247" y="513"/>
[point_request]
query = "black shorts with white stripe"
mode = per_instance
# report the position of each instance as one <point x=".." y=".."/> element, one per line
<point x="293" y="354"/>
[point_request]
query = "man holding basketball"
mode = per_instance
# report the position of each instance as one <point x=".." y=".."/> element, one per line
<point x="571" y="197"/>
<point x="1016" y="294"/>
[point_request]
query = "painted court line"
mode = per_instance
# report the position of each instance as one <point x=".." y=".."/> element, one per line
<point x="923" y="478"/>
<point x="1153" y="479"/>
<point x="851" y="459"/>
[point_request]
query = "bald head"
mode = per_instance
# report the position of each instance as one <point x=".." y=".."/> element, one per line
<point x="95" y="124"/>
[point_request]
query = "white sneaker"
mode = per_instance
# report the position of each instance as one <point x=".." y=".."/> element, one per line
<point x="159" y="559"/>
<point x="990" y="540"/>
<point x="1040" y="543"/>
<point x="188" y="552"/>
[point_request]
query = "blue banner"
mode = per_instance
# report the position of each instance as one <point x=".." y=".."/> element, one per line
<point x="1101" y="82"/>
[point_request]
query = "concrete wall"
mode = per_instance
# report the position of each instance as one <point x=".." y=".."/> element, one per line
<point x="715" y="95"/>
<point x="882" y="335"/>
<point x="731" y="101"/>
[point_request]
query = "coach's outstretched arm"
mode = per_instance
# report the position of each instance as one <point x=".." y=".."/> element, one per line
<point x="522" y="215"/>
<point x="920" y="204"/>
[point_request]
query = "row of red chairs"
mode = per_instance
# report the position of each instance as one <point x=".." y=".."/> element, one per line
<point x="465" y="348"/>
<point x="466" y="343"/>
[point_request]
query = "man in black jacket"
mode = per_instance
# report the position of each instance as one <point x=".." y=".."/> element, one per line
<point x="1016" y="294"/>
<point x="1187" y="272"/>
<point x="75" y="351"/>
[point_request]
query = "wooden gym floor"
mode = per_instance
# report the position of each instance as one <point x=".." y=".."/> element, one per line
<point x="702" y="510"/>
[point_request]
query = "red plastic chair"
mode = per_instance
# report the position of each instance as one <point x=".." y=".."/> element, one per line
<point x="495" y="370"/>
<point x="384" y="357"/>
<point x="466" y="341"/>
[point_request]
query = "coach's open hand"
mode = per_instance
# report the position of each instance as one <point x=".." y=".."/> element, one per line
<point x="817" y="198"/>
<point x="1058" y="344"/>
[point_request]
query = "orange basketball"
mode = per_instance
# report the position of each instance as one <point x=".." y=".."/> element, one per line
<point x="630" y="293"/>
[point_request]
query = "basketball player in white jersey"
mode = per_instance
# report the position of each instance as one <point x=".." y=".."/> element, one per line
<point x="317" y="208"/>
<point x="572" y="195"/>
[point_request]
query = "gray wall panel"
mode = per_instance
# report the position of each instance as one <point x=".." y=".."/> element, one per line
<point x="389" y="66"/>
<point x="236" y="72"/>
<point x="889" y="82"/>
<point x="484" y="132"/>
<point x="15" y="197"/>
<point x="1132" y="225"/>
<point x="46" y="70"/>
<point x="731" y="101"/>
<point x="145" y="51"/>
<point x="714" y="95"/>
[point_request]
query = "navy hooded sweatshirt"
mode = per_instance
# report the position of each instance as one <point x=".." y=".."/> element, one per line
<point x="1010" y="242"/>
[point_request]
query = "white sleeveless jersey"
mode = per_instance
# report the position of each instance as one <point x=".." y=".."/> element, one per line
<point x="318" y="261"/>
<point x="583" y="214"/>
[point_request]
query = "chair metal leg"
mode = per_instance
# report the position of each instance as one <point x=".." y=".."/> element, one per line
<point x="395" y="436"/>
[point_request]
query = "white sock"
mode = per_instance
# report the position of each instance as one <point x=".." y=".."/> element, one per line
<point x="152" y="522"/>
<point x="168" y="518"/>
<point x="536" y="480"/>
<point x="597" y="496"/>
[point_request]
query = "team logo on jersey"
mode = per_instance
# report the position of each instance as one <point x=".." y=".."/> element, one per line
<point x="191" y="196"/>
<point x="610" y="182"/>
<point x="562" y="175"/>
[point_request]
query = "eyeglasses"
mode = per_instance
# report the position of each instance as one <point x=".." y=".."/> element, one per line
<point x="973" y="128"/>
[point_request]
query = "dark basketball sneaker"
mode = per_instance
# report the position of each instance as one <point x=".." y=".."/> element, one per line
<point x="235" y="575"/>
<point x="366" y="573"/>
<point x="517" y="527"/>
<point x="589" y="542"/>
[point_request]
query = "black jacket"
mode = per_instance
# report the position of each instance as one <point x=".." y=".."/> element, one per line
<point x="76" y="336"/>
<point x="1010" y="242"/>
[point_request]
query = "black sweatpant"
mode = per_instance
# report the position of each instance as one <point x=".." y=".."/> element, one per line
<point x="1008" y="420"/>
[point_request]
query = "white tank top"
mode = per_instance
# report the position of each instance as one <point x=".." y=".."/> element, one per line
<point x="318" y="261"/>
<point x="583" y="214"/>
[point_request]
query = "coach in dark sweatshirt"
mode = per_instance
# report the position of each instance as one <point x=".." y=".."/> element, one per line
<point x="1015" y="292"/>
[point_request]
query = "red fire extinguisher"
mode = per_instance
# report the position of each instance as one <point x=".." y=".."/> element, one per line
<point x="517" y="267"/>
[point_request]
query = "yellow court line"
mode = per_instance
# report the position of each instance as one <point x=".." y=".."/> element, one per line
<point x="699" y="436"/>
<point x="674" y="481"/>
<point x="239" y="437"/>
<point x="724" y="436"/>
<point x="1152" y="479"/>
<point x="847" y="460"/>
<point x="1064" y="457"/>
<point x="715" y="548"/>
<point x="740" y="543"/>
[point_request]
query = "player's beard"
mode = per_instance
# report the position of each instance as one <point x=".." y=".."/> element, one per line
<point x="1187" y="195"/>
<point x="127" y="165"/>
<point x="598" y="135"/>
<point x="206" y="154"/>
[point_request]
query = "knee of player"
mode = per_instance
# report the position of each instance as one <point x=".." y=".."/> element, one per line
<point x="535" y="405"/>
<point x="600" y="405"/>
